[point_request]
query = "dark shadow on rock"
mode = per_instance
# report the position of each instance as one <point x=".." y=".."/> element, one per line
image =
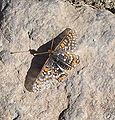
<point x="65" y="111"/>
<point x="1" y="14"/>
<point x="111" y="10"/>
<point x="39" y="60"/>
<point x="62" y="114"/>
<point x="2" y="10"/>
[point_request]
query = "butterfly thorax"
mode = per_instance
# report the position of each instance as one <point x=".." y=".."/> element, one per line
<point x="50" y="51"/>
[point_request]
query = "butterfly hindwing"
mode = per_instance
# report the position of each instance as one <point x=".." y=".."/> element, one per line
<point x="66" y="60"/>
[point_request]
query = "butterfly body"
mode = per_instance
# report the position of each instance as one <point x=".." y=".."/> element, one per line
<point x="61" y="59"/>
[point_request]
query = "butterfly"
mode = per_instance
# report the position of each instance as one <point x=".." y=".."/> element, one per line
<point x="61" y="59"/>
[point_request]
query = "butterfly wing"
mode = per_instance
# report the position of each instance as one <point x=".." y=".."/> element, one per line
<point x="66" y="60"/>
<point x="68" y="42"/>
<point x="50" y="70"/>
<point x="63" y="53"/>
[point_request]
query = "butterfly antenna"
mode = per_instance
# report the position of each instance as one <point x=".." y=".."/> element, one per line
<point x="19" y="52"/>
<point x="31" y="51"/>
<point x="52" y="42"/>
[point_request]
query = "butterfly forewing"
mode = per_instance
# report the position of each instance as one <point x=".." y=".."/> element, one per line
<point x="68" y="42"/>
<point x="50" y="70"/>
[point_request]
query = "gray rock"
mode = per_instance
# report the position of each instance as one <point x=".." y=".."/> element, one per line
<point x="100" y="4"/>
<point x="88" y="93"/>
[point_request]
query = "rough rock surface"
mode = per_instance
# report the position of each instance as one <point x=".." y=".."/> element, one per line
<point x="89" y="93"/>
<point x="101" y="4"/>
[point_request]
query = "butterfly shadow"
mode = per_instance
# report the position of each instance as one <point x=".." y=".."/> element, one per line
<point x="36" y="65"/>
<point x="39" y="60"/>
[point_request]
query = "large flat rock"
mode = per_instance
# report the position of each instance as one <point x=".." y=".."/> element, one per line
<point x="88" y="93"/>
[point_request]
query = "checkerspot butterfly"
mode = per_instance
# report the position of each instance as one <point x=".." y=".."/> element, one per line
<point x="61" y="60"/>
